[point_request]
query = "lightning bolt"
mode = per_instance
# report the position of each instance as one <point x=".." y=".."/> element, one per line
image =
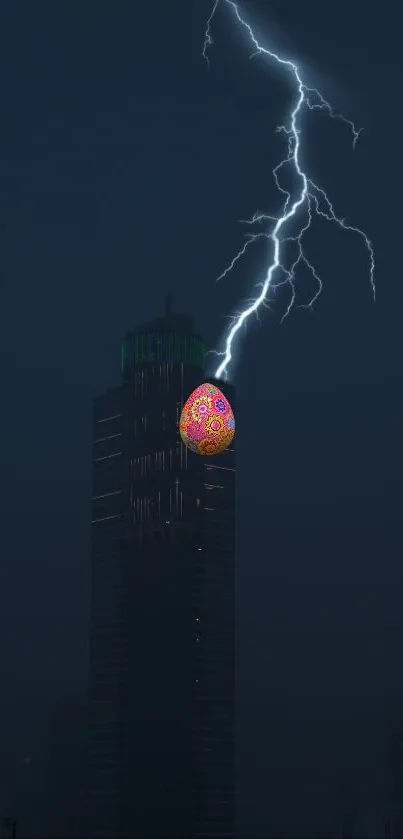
<point x="310" y="201"/>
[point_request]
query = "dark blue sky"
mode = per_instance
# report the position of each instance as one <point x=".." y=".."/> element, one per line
<point x="125" y="166"/>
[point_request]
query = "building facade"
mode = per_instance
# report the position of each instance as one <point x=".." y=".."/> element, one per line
<point x="161" y="710"/>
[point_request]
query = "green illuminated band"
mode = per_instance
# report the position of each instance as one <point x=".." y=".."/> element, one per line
<point x="144" y="347"/>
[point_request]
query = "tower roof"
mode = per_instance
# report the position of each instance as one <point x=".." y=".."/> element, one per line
<point x="167" y="338"/>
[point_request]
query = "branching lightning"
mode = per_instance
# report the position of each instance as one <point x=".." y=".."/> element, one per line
<point x="310" y="200"/>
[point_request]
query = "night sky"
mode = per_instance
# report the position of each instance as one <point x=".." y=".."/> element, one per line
<point x="126" y="164"/>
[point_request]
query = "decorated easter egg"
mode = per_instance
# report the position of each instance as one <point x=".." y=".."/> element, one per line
<point x="207" y="423"/>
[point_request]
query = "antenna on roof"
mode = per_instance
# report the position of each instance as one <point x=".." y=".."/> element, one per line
<point x="168" y="305"/>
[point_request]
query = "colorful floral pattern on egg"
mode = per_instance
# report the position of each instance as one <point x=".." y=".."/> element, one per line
<point x="207" y="422"/>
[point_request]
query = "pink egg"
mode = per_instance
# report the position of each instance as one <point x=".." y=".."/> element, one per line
<point x="207" y="422"/>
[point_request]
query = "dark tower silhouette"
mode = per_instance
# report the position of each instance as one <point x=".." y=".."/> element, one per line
<point x="161" y="750"/>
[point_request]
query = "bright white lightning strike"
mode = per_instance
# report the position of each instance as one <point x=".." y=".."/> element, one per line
<point x="310" y="200"/>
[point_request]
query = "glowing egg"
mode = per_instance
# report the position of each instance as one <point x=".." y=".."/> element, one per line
<point x="207" y="422"/>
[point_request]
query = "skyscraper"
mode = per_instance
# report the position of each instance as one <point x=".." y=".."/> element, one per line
<point x="161" y="716"/>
